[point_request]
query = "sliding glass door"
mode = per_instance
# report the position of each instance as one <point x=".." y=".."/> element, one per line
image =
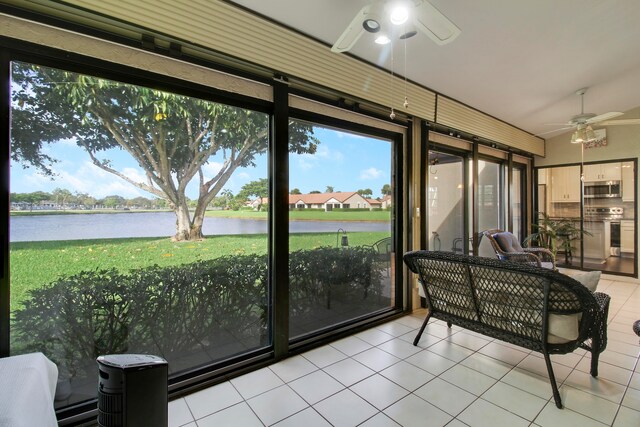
<point x="517" y="200"/>
<point x="594" y="207"/>
<point x="446" y="207"/>
<point x="341" y="229"/>
<point x="490" y="206"/>
<point x="125" y="230"/>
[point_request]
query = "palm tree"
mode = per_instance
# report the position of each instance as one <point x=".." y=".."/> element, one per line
<point x="554" y="234"/>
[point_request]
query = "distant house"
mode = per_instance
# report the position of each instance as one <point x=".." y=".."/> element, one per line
<point x="375" y="204"/>
<point x="326" y="201"/>
<point x="257" y="202"/>
<point x="386" y="202"/>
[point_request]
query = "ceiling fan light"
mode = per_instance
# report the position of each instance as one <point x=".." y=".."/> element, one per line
<point x="407" y="33"/>
<point x="574" y="138"/>
<point x="399" y="14"/>
<point x="579" y="136"/>
<point x="590" y="134"/>
<point x="383" y="39"/>
<point x="371" y="25"/>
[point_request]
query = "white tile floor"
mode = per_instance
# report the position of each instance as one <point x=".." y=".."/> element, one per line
<point x="454" y="378"/>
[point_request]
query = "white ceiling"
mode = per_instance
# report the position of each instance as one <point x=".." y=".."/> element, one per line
<point x="518" y="60"/>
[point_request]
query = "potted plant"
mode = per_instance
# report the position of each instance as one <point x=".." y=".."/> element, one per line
<point x="555" y="234"/>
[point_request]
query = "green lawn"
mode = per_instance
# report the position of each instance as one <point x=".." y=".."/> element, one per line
<point x="36" y="263"/>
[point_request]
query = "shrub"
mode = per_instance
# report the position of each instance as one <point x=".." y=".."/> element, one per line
<point x="177" y="311"/>
<point x="351" y="209"/>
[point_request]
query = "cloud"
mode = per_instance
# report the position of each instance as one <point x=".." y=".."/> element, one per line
<point x="371" y="173"/>
<point x="305" y="164"/>
<point x="211" y="168"/>
<point x="90" y="179"/>
<point x="323" y="152"/>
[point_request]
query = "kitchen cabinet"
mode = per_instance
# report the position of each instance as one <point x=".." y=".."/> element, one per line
<point x="628" y="182"/>
<point x="542" y="176"/>
<point x="565" y="184"/>
<point x="602" y="172"/>
<point x="627" y="236"/>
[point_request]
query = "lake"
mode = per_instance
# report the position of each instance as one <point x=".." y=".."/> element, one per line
<point x="155" y="224"/>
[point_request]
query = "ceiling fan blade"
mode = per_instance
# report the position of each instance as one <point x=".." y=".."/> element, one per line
<point x="434" y="24"/>
<point x="602" y="117"/>
<point x="620" y="122"/>
<point x="352" y="33"/>
<point x="552" y="131"/>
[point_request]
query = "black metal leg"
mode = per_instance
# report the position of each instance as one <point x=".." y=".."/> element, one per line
<point x="595" y="354"/>
<point x="594" y="364"/>
<point x="424" y="325"/>
<point x="552" y="379"/>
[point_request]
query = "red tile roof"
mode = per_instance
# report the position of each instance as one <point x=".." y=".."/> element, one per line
<point x="320" y="198"/>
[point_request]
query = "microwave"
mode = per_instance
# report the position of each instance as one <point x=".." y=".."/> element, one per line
<point x="602" y="189"/>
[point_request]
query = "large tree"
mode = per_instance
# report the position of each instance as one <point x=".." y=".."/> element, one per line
<point x="30" y="198"/>
<point x="365" y="192"/>
<point x="171" y="137"/>
<point x="258" y="189"/>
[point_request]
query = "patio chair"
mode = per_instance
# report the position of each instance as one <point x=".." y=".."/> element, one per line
<point x="383" y="250"/>
<point x="507" y="248"/>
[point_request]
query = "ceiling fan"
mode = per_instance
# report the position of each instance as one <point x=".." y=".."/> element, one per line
<point x="407" y="16"/>
<point x="582" y="122"/>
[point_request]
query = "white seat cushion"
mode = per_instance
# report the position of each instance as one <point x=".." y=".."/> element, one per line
<point x="27" y="391"/>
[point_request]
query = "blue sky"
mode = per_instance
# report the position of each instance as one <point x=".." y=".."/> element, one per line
<point x="345" y="161"/>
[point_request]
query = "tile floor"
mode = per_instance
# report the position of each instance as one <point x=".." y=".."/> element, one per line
<point x="453" y="378"/>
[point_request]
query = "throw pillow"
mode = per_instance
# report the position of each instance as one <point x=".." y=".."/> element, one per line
<point x="504" y="241"/>
<point x="508" y="242"/>
<point x="589" y="279"/>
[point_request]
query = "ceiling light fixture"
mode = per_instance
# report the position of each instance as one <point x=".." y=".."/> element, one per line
<point x="371" y="25"/>
<point x="382" y="39"/>
<point x="399" y="14"/>
<point x="407" y="34"/>
<point x="583" y="134"/>
<point x="372" y="22"/>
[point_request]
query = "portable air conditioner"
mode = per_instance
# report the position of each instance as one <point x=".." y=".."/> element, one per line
<point x="132" y="390"/>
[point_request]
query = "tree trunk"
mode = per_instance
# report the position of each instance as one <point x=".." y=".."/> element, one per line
<point x="187" y="228"/>
<point x="196" y="228"/>
<point x="183" y="224"/>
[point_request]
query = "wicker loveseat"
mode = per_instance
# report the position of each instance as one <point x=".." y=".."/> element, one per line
<point x="529" y="306"/>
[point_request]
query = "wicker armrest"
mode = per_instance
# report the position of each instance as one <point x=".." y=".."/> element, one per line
<point x="545" y="255"/>
<point x="522" y="257"/>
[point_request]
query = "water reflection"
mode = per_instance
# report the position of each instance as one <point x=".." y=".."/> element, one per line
<point x="155" y="224"/>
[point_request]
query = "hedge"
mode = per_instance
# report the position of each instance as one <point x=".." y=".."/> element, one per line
<point x="182" y="310"/>
<point x="351" y="209"/>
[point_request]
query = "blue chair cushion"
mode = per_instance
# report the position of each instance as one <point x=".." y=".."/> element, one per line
<point x="508" y="242"/>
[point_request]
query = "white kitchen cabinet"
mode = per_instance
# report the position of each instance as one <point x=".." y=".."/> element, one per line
<point x="603" y="172"/>
<point x="628" y="182"/>
<point x="542" y="176"/>
<point x="565" y="184"/>
<point x="627" y="236"/>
